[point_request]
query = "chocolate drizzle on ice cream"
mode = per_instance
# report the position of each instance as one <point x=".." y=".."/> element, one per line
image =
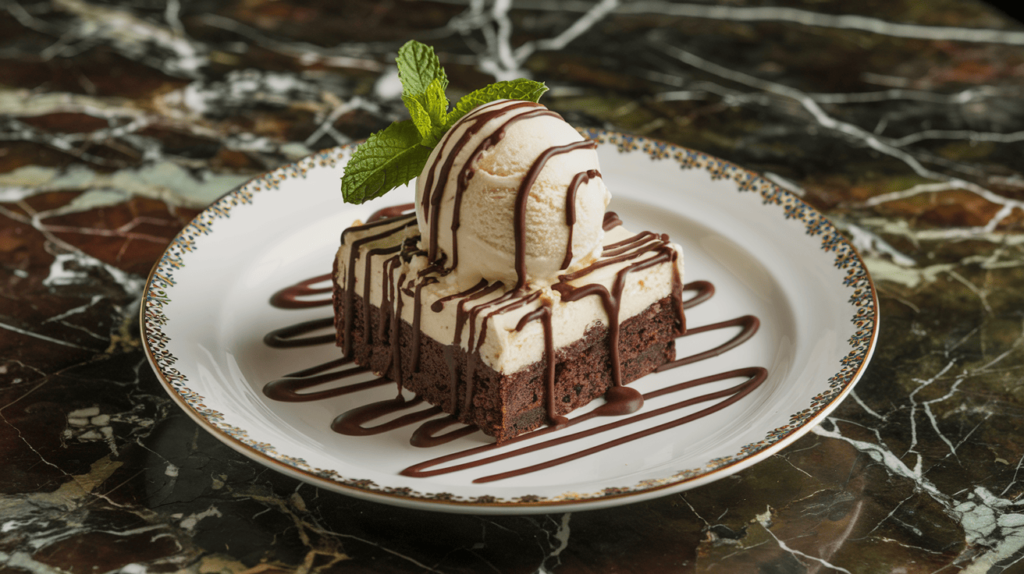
<point x="495" y="182"/>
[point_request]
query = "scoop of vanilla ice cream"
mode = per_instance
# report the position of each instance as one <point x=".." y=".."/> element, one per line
<point x="503" y="140"/>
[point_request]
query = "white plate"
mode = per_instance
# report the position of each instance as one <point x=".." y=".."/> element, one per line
<point x="767" y="252"/>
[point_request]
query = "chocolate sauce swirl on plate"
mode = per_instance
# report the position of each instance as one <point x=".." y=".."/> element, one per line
<point x="294" y="296"/>
<point x="357" y="421"/>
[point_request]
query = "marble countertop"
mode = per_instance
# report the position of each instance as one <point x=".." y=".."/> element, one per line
<point x="901" y="120"/>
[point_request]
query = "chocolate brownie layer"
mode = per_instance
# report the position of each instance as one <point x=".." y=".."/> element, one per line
<point x="504" y="406"/>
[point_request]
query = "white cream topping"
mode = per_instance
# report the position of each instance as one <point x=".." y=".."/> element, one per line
<point x="486" y="236"/>
<point x="506" y="350"/>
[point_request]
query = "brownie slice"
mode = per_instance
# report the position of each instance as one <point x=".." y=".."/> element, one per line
<point x="506" y="405"/>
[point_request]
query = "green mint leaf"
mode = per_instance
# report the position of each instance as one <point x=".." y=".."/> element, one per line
<point x="418" y="66"/>
<point x="395" y="155"/>
<point x="420" y="116"/>
<point x="437" y="103"/>
<point x="429" y="113"/>
<point x="387" y="159"/>
<point x="521" y="89"/>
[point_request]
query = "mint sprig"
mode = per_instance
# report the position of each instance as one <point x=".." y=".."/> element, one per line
<point x="395" y="155"/>
<point x="513" y="90"/>
<point x="418" y="67"/>
<point x="388" y="159"/>
<point x="429" y="113"/>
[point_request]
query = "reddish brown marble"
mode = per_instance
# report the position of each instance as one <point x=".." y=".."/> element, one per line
<point x="120" y="121"/>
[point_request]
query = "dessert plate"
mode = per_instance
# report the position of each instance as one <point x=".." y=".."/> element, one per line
<point x="768" y="254"/>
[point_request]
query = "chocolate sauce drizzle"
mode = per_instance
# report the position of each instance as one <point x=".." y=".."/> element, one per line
<point x="350" y="276"/>
<point x="475" y="121"/>
<point x="611" y="221"/>
<point x="523" y="194"/>
<point x="351" y="423"/>
<point x="467" y="173"/>
<point x="755" y="376"/>
<point x="544" y="314"/>
<point x="426" y="436"/>
<point x="285" y="337"/>
<point x="289" y="297"/>
<point x="579" y="179"/>
<point x="354" y="422"/>
<point x="287" y="388"/>
<point x="392" y="211"/>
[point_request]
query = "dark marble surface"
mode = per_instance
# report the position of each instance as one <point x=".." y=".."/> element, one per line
<point x="902" y="120"/>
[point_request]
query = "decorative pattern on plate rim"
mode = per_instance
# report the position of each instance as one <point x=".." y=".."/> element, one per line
<point x="161" y="280"/>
